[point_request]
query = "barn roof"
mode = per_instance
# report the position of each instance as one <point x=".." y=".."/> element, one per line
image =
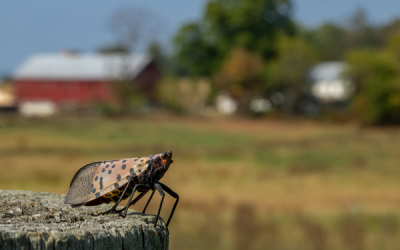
<point x="81" y="66"/>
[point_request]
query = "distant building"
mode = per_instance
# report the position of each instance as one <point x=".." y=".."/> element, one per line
<point x="7" y="98"/>
<point x="329" y="83"/>
<point x="225" y="104"/>
<point x="70" y="78"/>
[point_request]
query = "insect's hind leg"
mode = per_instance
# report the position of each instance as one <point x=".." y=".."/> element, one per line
<point x="140" y="196"/>
<point x="142" y="187"/>
<point x="151" y="196"/>
<point x="112" y="210"/>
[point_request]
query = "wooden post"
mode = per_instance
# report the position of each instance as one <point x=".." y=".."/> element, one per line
<point x="30" y="220"/>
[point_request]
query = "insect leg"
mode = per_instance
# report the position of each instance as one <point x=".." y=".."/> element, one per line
<point x="134" y="201"/>
<point x="137" y="199"/>
<point x="112" y="210"/>
<point x="123" y="214"/>
<point x="173" y="194"/>
<point x="151" y="196"/>
<point x="161" y="191"/>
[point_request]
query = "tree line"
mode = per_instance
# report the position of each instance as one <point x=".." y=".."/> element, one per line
<point x="250" y="48"/>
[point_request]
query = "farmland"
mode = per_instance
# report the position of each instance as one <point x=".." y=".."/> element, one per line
<point x="255" y="184"/>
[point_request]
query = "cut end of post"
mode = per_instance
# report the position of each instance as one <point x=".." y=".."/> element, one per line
<point x="42" y="221"/>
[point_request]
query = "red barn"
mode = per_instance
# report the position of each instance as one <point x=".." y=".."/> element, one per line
<point x="79" y="79"/>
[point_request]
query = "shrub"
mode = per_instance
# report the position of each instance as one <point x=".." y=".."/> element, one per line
<point x="376" y="77"/>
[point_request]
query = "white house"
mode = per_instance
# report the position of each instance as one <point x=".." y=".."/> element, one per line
<point x="329" y="83"/>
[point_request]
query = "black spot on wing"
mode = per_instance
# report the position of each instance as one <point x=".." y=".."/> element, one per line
<point x="123" y="166"/>
<point x="97" y="195"/>
<point x="116" y="185"/>
<point x="101" y="183"/>
<point x="109" y="171"/>
<point x="118" y="177"/>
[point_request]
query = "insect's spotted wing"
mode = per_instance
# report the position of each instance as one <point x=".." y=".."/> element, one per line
<point x="105" y="177"/>
<point x="81" y="185"/>
<point x="113" y="174"/>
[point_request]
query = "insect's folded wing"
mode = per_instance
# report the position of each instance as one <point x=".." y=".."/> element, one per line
<point x="97" y="179"/>
<point x="81" y="185"/>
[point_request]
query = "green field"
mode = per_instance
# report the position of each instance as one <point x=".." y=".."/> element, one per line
<point x="243" y="184"/>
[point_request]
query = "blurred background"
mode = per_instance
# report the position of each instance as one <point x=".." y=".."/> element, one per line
<point x="282" y="115"/>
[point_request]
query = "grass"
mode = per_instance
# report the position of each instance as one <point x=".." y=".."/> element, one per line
<point x="252" y="183"/>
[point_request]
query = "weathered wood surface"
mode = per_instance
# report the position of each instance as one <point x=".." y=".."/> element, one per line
<point x="30" y="220"/>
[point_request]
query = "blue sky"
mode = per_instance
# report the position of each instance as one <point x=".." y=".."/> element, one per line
<point x="29" y="27"/>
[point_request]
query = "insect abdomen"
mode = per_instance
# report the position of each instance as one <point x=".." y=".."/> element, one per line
<point x="114" y="195"/>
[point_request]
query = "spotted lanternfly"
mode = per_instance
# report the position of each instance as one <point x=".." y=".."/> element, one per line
<point x="116" y="180"/>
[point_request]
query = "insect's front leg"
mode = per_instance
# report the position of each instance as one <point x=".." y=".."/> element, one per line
<point x="161" y="191"/>
<point x="173" y="194"/>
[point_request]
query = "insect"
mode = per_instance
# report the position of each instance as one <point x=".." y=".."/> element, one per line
<point x="116" y="180"/>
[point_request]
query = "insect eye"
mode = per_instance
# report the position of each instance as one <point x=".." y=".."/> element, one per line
<point x="164" y="155"/>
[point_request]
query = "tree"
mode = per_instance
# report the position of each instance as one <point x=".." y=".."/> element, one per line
<point x="113" y="49"/>
<point x="241" y="75"/>
<point x="289" y="71"/>
<point x="133" y="29"/>
<point x="386" y="32"/>
<point x="361" y="33"/>
<point x="393" y="46"/>
<point x="251" y="24"/>
<point x="376" y="75"/>
<point x="330" y="41"/>
<point x="202" y="47"/>
<point x="194" y="54"/>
